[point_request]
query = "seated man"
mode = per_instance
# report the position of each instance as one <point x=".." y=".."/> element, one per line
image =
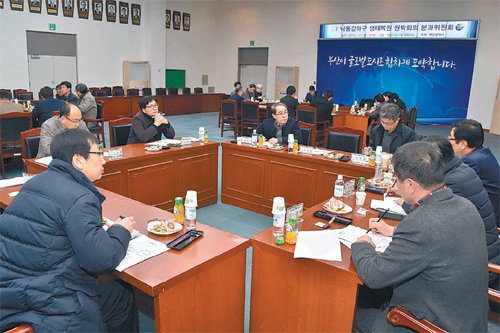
<point x="53" y="248"/>
<point x="67" y="95"/>
<point x="467" y="139"/>
<point x="437" y="261"/>
<point x="59" y="94"/>
<point x="324" y="106"/>
<point x="391" y="134"/>
<point x="238" y="97"/>
<point x="237" y="85"/>
<point x="248" y="93"/>
<point x="86" y="102"/>
<point x="257" y="94"/>
<point x="44" y="108"/>
<point x="387" y="96"/>
<point x="290" y="101"/>
<point x="277" y="128"/>
<point x="148" y="124"/>
<point x="70" y="117"/>
<point x="310" y="95"/>
<point x="6" y="105"/>
<point x="396" y="100"/>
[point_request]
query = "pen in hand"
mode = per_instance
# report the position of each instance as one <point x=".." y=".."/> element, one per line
<point x="387" y="193"/>
<point x="380" y="218"/>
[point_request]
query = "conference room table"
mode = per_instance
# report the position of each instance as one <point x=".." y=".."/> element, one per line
<point x="356" y="121"/>
<point x="305" y="295"/>
<point x="198" y="289"/>
<point x="156" y="178"/>
<point x="252" y="177"/>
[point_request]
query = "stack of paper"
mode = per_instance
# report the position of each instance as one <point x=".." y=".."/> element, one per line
<point x="13" y="181"/>
<point x="140" y="249"/>
<point x="350" y="234"/>
<point x="388" y="202"/>
<point x="318" y="245"/>
<point x="44" y="160"/>
<point x="165" y="142"/>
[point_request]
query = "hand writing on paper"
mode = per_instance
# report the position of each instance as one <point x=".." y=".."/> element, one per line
<point x="381" y="227"/>
<point x="366" y="238"/>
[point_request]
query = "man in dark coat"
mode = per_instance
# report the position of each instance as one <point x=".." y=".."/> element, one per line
<point x="43" y="109"/>
<point x="67" y="95"/>
<point x="467" y="138"/>
<point x="437" y="260"/>
<point x="391" y="134"/>
<point x="53" y="246"/>
<point x="277" y="128"/>
<point x="290" y="101"/>
<point x="148" y="125"/>
<point x="324" y="106"/>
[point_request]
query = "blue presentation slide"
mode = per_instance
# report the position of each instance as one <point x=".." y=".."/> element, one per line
<point x="434" y="75"/>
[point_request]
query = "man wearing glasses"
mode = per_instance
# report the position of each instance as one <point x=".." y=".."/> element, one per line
<point x="148" y="124"/>
<point x="54" y="247"/>
<point x="391" y="133"/>
<point x="70" y="117"/>
<point x="277" y="128"/>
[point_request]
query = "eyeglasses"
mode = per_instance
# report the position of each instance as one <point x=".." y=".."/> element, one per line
<point x="452" y="139"/>
<point x="154" y="106"/>
<point x="100" y="153"/>
<point x="75" y="121"/>
<point x="282" y="114"/>
<point x="387" y="123"/>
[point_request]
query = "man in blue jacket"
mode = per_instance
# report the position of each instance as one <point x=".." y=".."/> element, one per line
<point x="467" y="138"/>
<point x="44" y="108"/>
<point x="53" y="247"/>
<point x="277" y="128"/>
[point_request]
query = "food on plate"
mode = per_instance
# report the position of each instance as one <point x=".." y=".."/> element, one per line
<point x="152" y="148"/>
<point x="334" y="205"/>
<point x="275" y="147"/>
<point x="164" y="227"/>
<point x="332" y="155"/>
<point x="380" y="183"/>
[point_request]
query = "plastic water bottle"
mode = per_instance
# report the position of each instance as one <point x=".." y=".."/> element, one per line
<point x="291" y="141"/>
<point x="339" y="187"/>
<point x="279" y="211"/>
<point x="254" y="138"/>
<point x="201" y="134"/>
<point x="378" y="171"/>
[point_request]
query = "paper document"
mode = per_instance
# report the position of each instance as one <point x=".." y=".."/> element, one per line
<point x="318" y="245"/>
<point x="350" y="234"/>
<point x="140" y="249"/>
<point x="44" y="160"/>
<point x="14" y="181"/>
<point x="165" y="142"/>
<point x="388" y="202"/>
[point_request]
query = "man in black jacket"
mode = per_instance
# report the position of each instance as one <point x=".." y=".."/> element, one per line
<point x="290" y="101"/>
<point x="324" y="106"/>
<point x="391" y="134"/>
<point x="277" y="128"/>
<point x="148" y="124"/>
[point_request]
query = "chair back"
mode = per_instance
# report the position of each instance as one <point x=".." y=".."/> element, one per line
<point x="413" y="118"/>
<point x="308" y="128"/>
<point x="404" y="116"/>
<point x="345" y="129"/>
<point x="186" y="91"/>
<point x="306" y="136"/>
<point x="94" y="90"/>
<point x="228" y="108"/>
<point x="18" y="91"/>
<point x="101" y="93"/>
<point x="133" y="92"/>
<point x="161" y="91"/>
<point x="107" y="90"/>
<point x="118" y="87"/>
<point x="306" y="114"/>
<point x="118" y="92"/>
<point x="343" y="141"/>
<point x="198" y="90"/>
<point x="119" y="130"/>
<point x="100" y="105"/>
<point x="11" y="126"/>
<point x="173" y="91"/>
<point x="368" y="101"/>
<point x="25" y="96"/>
<point x="29" y="141"/>
<point x="7" y="90"/>
<point x="269" y="111"/>
<point x="146" y="92"/>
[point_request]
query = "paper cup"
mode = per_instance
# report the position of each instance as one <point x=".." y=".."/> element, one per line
<point x="191" y="199"/>
<point x="279" y="206"/>
<point x="360" y="198"/>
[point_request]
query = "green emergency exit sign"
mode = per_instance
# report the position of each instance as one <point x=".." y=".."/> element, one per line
<point x="52" y="26"/>
<point x="252" y="43"/>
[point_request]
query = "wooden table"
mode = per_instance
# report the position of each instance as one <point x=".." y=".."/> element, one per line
<point x="252" y="177"/>
<point x="198" y="289"/>
<point x="156" y="178"/>
<point x="351" y="120"/>
<point x="304" y="295"/>
<point x="127" y="106"/>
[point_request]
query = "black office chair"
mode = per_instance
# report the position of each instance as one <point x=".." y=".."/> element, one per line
<point x="306" y="136"/>
<point x="96" y="126"/>
<point x="107" y="90"/>
<point x="146" y="92"/>
<point x="118" y="92"/>
<point x="173" y="91"/>
<point x="101" y="93"/>
<point x="229" y="116"/>
<point x="186" y="91"/>
<point x="26" y="96"/>
<point x="133" y="92"/>
<point x="368" y="101"/>
<point x="198" y="90"/>
<point x="11" y="126"/>
<point x="343" y="141"/>
<point x="161" y="91"/>
<point x="29" y="140"/>
<point x="119" y="130"/>
<point x="249" y="116"/>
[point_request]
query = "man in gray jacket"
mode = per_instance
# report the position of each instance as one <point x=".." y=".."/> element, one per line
<point x="437" y="261"/>
<point x="86" y="102"/>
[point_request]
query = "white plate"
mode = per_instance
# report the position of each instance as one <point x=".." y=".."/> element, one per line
<point x="345" y="210"/>
<point x="151" y="225"/>
<point x="333" y="156"/>
<point x="152" y="148"/>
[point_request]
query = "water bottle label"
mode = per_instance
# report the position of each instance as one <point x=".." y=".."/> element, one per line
<point x="190" y="213"/>
<point x="279" y="221"/>
<point x="339" y="191"/>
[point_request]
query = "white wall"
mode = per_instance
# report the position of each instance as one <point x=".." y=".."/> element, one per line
<point x="101" y="45"/>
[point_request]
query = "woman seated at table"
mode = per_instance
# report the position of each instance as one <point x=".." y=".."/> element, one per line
<point x="277" y="128"/>
<point x="148" y="124"/>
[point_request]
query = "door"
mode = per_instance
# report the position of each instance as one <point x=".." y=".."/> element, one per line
<point x="50" y="71"/>
<point x="254" y="74"/>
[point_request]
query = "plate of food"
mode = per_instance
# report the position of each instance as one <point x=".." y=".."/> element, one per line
<point x="337" y="207"/>
<point x="152" y="148"/>
<point x="162" y="227"/>
<point x="333" y="156"/>
<point x="275" y="147"/>
<point x="379" y="183"/>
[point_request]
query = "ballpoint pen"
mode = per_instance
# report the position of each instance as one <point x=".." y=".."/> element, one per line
<point x="380" y="218"/>
<point x="386" y="194"/>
